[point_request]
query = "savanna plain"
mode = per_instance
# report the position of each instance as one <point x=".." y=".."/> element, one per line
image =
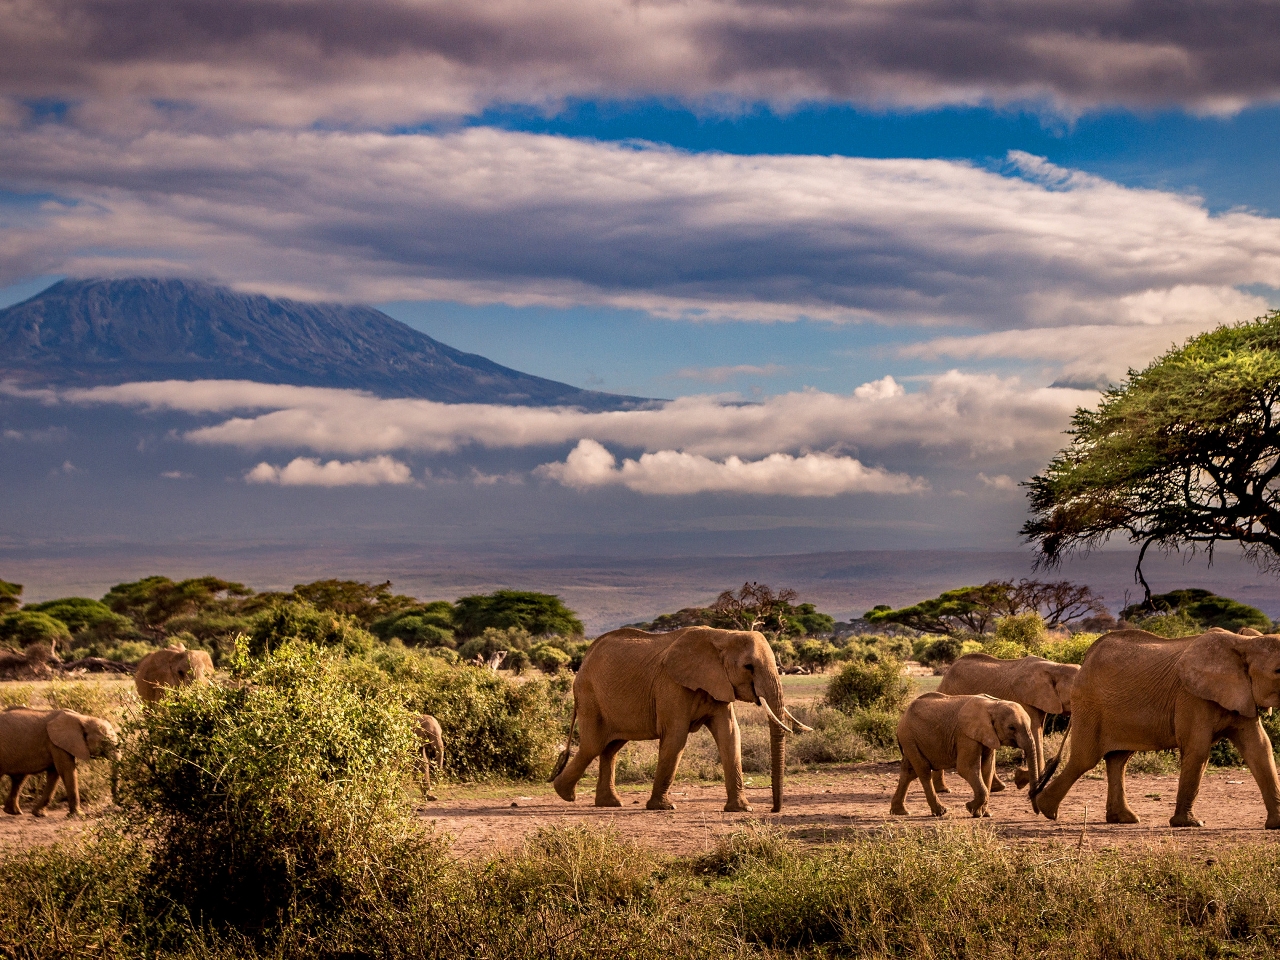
<point x="281" y="811"/>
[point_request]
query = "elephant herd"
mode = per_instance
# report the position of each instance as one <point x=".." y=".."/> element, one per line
<point x="1133" y="692"/>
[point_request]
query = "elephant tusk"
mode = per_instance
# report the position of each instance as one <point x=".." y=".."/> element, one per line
<point x="773" y="716"/>
<point x="796" y="723"/>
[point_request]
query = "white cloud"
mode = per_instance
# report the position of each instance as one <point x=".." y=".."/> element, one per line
<point x="671" y="472"/>
<point x="484" y="216"/>
<point x="1002" y="482"/>
<point x="952" y="415"/>
<point x="177" y="475"/>
<point x="295" y="62"/>
<point x="310" y="472"/>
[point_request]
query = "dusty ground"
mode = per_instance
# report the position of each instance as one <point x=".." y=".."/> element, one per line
<point x="844" y="801"/>
<point x="834" y="804"/>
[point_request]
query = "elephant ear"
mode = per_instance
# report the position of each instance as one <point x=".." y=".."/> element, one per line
<point x="977" y="723"/>
<point x="696" y="661"/>
<point x="66" y="730"/>
<point x="1043" y="695"/>
<point x="1213" y="669"/>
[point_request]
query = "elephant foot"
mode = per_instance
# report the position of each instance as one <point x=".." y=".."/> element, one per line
<point x="659" y="803"/>
<point x="1124" y="816"/>
<point x="996" y="784"/>
<point x="1042" y="806"/>
<point x="566" y="791"/>
<point x="1184" y="820"/>
<point x="942" y="789"/>
<point x="898" y="810"/>
<point x="1273" y="821"/>
<point x="737" y="806"/>
<point x="14" y="812"/>
<point x="38" y="813"/>
<point x="977" y="810"/>
<point x="608" y="802"/>
<point x="1021" y="778"/>
<point x="939" y="811"/>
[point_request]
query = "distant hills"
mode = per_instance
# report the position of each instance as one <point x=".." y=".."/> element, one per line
<point x="91" y="332"/>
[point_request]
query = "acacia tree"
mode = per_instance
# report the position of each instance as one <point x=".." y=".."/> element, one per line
<point x="976" y="609"/>
<point x="1184" y="453"/>
<point x="754" y="606"/>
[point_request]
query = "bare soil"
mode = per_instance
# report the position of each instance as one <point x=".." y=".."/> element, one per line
<point x="837" y="803"/>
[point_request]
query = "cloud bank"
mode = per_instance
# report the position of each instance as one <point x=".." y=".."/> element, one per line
<point x="670" y="472"/>
<point x="485" y="216"/>
<point x="310" y="472"/>
<point x="295" y="62"/>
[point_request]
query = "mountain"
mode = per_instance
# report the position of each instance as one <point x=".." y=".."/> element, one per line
<point x="90" y="332"/>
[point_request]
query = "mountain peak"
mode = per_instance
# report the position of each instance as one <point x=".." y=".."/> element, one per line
<point x="90" y="332"/>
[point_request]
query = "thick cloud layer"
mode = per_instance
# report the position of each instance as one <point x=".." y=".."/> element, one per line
<point x="294" y="62"/>
<point x="490" y="216"/>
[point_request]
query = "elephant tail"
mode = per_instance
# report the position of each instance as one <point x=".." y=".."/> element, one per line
<point x="568" y="745"/>
<point x="1050" y="768"/>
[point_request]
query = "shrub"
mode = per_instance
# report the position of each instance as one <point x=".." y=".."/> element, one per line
<point x="88" y="620"/>
<point x="835" y="738"/>
<point x="493" y="640"/>
<point x="936" y="651"/>
<point x="549" y="659"/>
<point x="816" y="654"/>
<point x="1024" y="629"/>
<point x="493" y="727"/>
<point x="425" y="625"/>
<point x="537" y="613"/>
<point x="1005" y="650"/>
<point x="877" y="726"/>
<point x="126" y="651"/>
<point x="1172" y="625"/>
<point x="784" y="651"/>
<point x="268" y="799"/>
<point x="302" y="623"/>
<point x="860" y="686"/>
<point x="24" y="627"/>
<point x="1070" y="650"/>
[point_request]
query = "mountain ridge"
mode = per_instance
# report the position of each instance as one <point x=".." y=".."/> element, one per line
<point x="106" y="331"/>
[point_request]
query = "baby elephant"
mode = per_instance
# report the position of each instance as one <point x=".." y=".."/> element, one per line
<point x="32" y="741"/>
<point x="430" y="736"/>
<point x="175" y="666"/>
<point x="962" y="733"/>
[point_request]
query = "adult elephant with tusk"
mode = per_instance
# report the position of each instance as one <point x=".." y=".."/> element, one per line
<point x="664" y="686"/>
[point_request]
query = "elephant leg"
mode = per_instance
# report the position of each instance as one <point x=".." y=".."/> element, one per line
<point x="426" y="769"/>
<point x="1024" y="775"/>
<point x="590" y="743"/>
<point x="606" y="792"/>
<point x="12" y="805"/>
<point x="974" y="763"/>
<point x="939" y="785"/>
<point x="670" y="749"/>
<point x="724" y="730"/>
<point x="66" y="766"/>
<point x="1255" y="746"/>
<point x="50" y="782"/>
<point x="1083" y="757"/>
<point x="898" y="807"/>
<point x="1195" y="757"/>
<point x="1117" y="805"/>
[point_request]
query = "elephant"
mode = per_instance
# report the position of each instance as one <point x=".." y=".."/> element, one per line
<point x="1040" y="686"/>
<point x="50" y="741"/>
<point x="1136" y="691"/>
<point x="634" y="685"/>
<point x="175" y="666"/>
<point x="939" y="731"/>
<point x="430" y="735"/>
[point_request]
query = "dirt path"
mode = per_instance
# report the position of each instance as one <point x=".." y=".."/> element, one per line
<point x="823" y="807"/>
<point x="846" y="801"/>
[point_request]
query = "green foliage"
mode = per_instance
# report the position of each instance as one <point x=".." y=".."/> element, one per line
<point x="549" y="659"/>
<point x="935" y="651"/>
<point x="91" y="698"/>
<point x="494" y="727"/>
<point x="1205" y="608"/>
<point x="1182" y="453"/>
<point x="298" y="622"/>
<point x="269" y="798"/>
<point x="1005" y="650"/>
<point x="88" y="620"/>
<point x="365" y="602"/>
<point x="538" y="613"/>
<point x="816" y="654"/>
<point x="1070" y="650"/>
<point x="869" y="686"/>
<point x="806" y="620"/>
<point x="23" y="627"/>
<point x="422" y="625"/>
<point x="125" y="651"/>
<point x="973" y="610"/>
<point x="784" y="651"/>
<point x="16" y="695"/>
<point x="1224" y="753"/>
<point x="153" y="601"/>
<point x="1178" y="624"/>
<point x="1026" y="629"/>
<point x="10" y="596"/>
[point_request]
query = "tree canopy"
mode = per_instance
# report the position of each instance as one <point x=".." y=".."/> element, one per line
<point x="539" y="613"/>
<point x="153" y="601"/>
<point x="366" y="602"/>
<point x="1204" y="607"/>
<point x="976" y="609"/>
<point x="1183" y="453"/>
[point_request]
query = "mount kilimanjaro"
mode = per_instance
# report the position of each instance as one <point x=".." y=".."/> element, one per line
<point x="93" y="332"/>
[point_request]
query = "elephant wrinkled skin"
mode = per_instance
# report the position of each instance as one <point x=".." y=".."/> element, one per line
<point x="1040" y="686"/>
<point x="644" y="686"/>
<point x="49" y="741"/>
<point x="1136" y="691"/>
<point x="174" y="666"/>
<point x="961" y="733"/>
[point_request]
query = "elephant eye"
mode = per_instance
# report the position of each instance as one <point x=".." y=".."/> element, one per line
<point x="752" y="667"/>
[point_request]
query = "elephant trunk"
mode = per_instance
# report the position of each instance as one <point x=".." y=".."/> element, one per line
<point x="771" y="698"/>
<point x="1027" y="743"/>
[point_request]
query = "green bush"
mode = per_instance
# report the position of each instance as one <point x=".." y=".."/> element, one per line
<point x="862" y="686"/>
<point x="1173" y="625"/>
<point x="1024" y="629"/>
<point x="536" y="613"/>
<point x="816" y="655"/>
<point x="1224" y="752"/>
<point x="88" y="620"/>
<point x="126" y="651"/>
<point x="784" y="651"/>
<point x="877" y="726"/>
<point x="493" y="727"/>
<point x="23" y="627"/>
<point x="936" y="651"/>
<point x="271" y="798"/>
<point x="425" y="625"/>
<point x="1005" y="650"/>
<point x="1070" y="650"/>
<point x="549" y="659"/>
<point x="299" y="622"/>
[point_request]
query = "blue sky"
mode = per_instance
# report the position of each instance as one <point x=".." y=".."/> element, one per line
<point x="880" y="250"/>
